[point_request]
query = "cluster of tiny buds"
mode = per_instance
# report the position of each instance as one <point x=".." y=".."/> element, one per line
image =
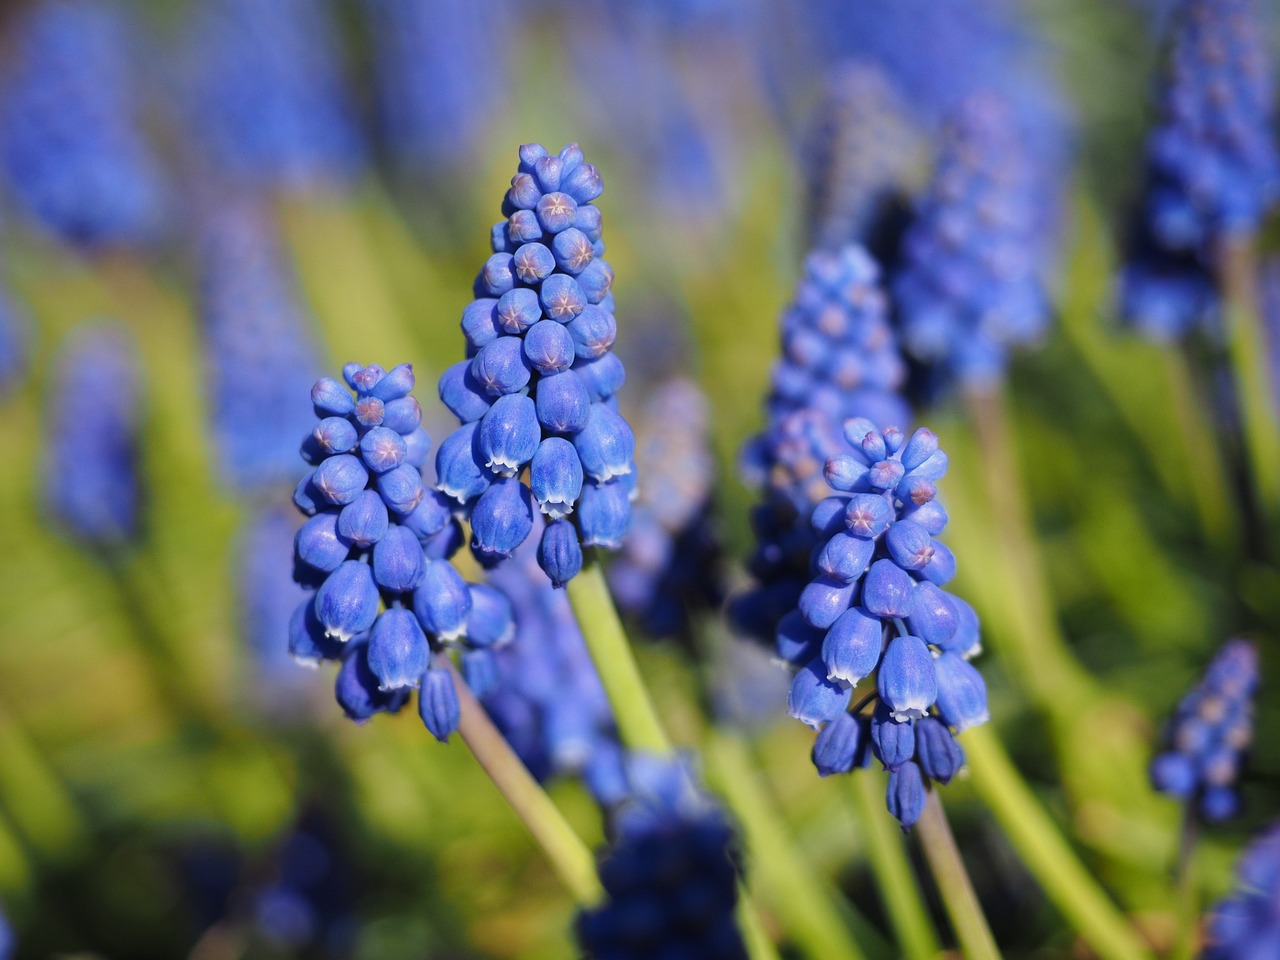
<point x="1210" y="733"/>
<point x="875" y="605"/>
<point x="536" y="390"/>
<point x="375" y="548"/>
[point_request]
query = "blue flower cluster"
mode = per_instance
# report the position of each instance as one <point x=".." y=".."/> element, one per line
<point x="299" y="898"/>
<point x="839" y="360"/>
<point x="1246" y="924"/>
<point x="72" y="151"/>
<point x="253" y="321"/>
<point x="537" y="387"/>
<point x="439" y="77"/>
<point x="91" y="482"/>
<point x="1209" y="733"/>
<point x="875" y="605"/>
<point x="269" y="103"/>
<point x="548" y="700"/>
<point x="8" y="942"/>
<point x="375" y="538"/>
<point x="1212" y="167"/>
<point x="1212" y="162"/>
<point x="309" y="901"/>
<point x="968" y="286"/>
<point x="863" y="158"/>
<point x="668" y="563"/>
<point x="669" y="873"/>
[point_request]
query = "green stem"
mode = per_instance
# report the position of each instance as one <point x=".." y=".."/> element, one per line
<point x="1045" y="852"/>
<point x="806" y="906"/>
<point x="637" y="719"/>
<point x="638" y="724"/>
<point x="900" y="893"/>
<point x="1199" y="445"/>
<point x="958" y="896"/>
<point x="760" y="945"/>
<point x="1168" y="425"/>
<point x="1237" y="276"/>
<point x="569" y="856"/>
<point x="1041" y="652"/>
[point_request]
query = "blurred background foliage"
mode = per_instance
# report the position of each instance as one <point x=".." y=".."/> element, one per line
<point x="155" y="769"/>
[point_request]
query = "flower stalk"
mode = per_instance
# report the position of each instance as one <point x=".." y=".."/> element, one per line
<point x="569" y="856"/>
<point x="958" y="896"/>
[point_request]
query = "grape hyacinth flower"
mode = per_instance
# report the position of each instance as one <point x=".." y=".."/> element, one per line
<point x="968" y="287"/>
<point x="875" y="607"/>
<point x="537" y="388"/>
<point x="72" y="151"/>
<point x="439" y="76"/>
<point x="1209" y="733"/>
<point x="1212" y="162"/>
<point x="1212" y="167"/>
<point x="91" y="483"/>
<point x="269" y="102"/>
<point x="547" y="698"/>
<point x="376" y="551"/>
<point x="253" y="322"/>
<point x="667" y="564"/>
<point x="839" y="360"/>
<point x="669" y="873"/>
<point x="864" y="158"/>
<point x="1246" y="924"/>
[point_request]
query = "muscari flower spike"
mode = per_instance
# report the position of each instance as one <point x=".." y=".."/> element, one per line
<point x="545" y="695"/>
<point x="253" y="322"/>
<point x="8" y="941"/>
<point x="269" y="103"/>
<point x="1212" y="168"/>
<point x="376" y="551"/>
<point x="72" y="150"/>
<point x="875" y="607"/>
<point x="1209" y="734"/>
<point x="1212" y="162"/>
<point x="839" y="360"/>
<point x="91" y="481"/>
<point x="863" y="159"/>
<point x="536" y="391"/>
<point x="668" y="562"/>
<point x="1246" y="924"/>
<point x="669" y="873"/>
<point x="438" y="74"/>
<point x="969" y="287"/>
